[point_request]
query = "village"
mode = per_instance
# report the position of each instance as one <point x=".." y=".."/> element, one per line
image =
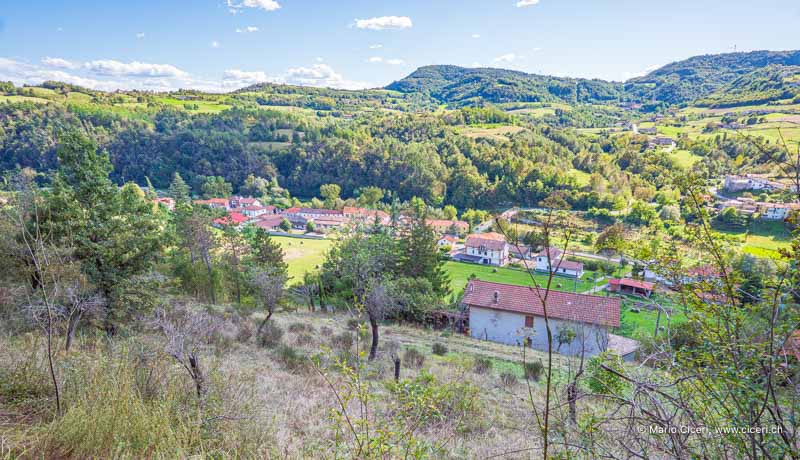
<point x="494" y="307"/>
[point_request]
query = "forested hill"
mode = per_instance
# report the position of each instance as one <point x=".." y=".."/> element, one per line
<point x="462" y="86"/>
<point x="676" y="83"/>
<point x="700" y="76"/>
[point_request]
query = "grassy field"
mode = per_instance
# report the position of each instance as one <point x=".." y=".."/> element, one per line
<point x="500" y="133"/>
<point x="302" y="255"/>
<point x="763" y="239"/>
<point x="684" y="158"/>
<point x="460" y="273"/>
<point x="637" y="324"/>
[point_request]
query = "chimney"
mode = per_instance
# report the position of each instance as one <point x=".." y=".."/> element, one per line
<point x="496" y="296"/>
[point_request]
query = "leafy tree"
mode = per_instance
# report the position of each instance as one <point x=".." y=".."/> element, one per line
<point x="311" y="227"/>
<point x="216" y="187"/>
<point x="266" y="252"/>
<point x="450" y="212"/>
<point x="285" y="225"/>
<point x="331" y="193"/>
<point x="370" y="196"/>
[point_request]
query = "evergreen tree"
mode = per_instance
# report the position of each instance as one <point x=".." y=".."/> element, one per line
<point x="266" y="252"/>
<point x="179" y="190"/>
<point x="117" y="232"/>
<point x="419" y="257"/>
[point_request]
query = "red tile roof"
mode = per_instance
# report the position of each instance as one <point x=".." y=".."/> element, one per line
<point x="217" y="201"/>
<point x="446" y="224"/>
<point x="560" y="305"/>
<point x="566" y="265"/>
<point x="268" y="222"/>
<point x="632" y="283"/>
<point x="233" y="218"/>
<point x="555" y="253"/>
<point x="491" y="241"/>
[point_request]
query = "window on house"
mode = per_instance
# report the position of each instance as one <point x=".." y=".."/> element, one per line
<point x="529" y="321"/>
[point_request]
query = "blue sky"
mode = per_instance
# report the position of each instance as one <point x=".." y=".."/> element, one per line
<point x="220" y="45"/>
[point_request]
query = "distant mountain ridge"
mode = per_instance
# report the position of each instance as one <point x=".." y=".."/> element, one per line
<point x="675" y="83"/>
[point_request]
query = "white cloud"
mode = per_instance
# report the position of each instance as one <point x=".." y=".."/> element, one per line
<point x="59" y="63"/>
<point x="215" y="44"/>
<point x="110" y="75"/>
<point x="476" y="64"/>
<point x="319" y="59"/>
<point x="510" y="57"/>
<point x="140" y="35"/>
<point x="523" y="3"/>
<point x="384" y="22"/>
<point x="110" y="67"/>
<point x="268" y="5"/>
<point x="537" y="49"/>
<point x="247" y="30"/>
<point x="376" y="46"/>
<point x="476" y="35"/>
<point x="321" y="75"/>
<point x="236" y="78"/>
<point x="380" y="60"/>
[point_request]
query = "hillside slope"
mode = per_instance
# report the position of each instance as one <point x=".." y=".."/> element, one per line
<point x="462" y="86"/>
<point x="699" y="76"/>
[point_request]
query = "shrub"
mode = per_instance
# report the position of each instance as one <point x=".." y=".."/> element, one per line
<point x="424" y="400"/>
<point x="325" y="331"/>
<point x="270" y="336"/>
<point x="413" y="358"/>
<point x="439" y="349"/>
<point x="300" y="327"/>
<point x="245" y="332"/>
<point x="602" y="381"/>
<point x="291" y="359"/>
<point x="508" y="378"/>
<point x="343" y="341"/>
<point x="353" y="324"/>
<point x="533" y="370"/>
<point x="303" y="340"/>
<point x="482" y="365"/>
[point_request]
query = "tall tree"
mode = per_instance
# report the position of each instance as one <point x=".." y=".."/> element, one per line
<point x="419" y="257"/>
<point x="117" y="232"/>
<point x="179" y="189"/>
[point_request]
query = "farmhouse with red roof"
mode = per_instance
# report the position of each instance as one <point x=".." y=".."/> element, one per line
<point x="514" y="315"/>
<point x="552" y="259"/>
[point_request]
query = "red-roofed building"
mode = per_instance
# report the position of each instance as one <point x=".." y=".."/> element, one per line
<point x="255" y="211"/>
<point x="552" y="259"/>
<point x="486" y="248"/>
<point x="631" y="286"/>
<point x="169" y="203"/>
<point x="269" y="222"/>
<point x="514" y="315"/>
<point x="458" y="227"/>
<point x="243" y="202"/>
<point x="366" y="216"/>
<point x="221" y="203"/>
<point x="233" y="218"/>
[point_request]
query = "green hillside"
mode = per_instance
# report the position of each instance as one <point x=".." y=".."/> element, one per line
<point x="463" y="86"/>
<point x="700" y="76"/>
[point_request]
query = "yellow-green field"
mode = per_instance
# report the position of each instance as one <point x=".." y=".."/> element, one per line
<point x="302" y="255"/>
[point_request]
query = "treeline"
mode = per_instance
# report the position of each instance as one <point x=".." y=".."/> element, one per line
<point x="411" y="155"/>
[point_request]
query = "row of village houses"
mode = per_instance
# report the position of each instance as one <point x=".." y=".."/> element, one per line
<point x="250" y="211"/>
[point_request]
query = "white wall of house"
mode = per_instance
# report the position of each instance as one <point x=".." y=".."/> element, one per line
<point x="775" y="213"/>
<point x="489" y="257"/>
<point x="509" y="328"/>
<point x="543" y="266"/>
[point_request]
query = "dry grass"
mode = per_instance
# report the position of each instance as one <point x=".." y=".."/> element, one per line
<point x="127" y="399"/>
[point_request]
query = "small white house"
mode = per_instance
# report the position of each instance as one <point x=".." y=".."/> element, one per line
<point x="487" y="248"/>
<point x="514" y="315"/>
<point x="552" y="259"/>
<point x="776" y="211"/>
